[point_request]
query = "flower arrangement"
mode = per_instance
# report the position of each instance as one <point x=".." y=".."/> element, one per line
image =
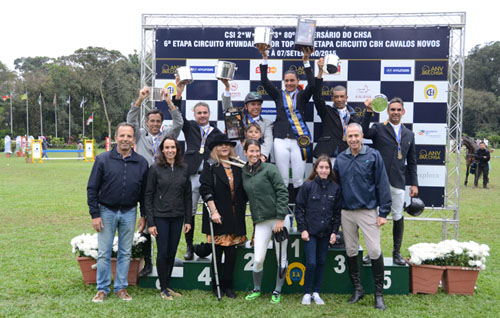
<point x="86" y="245"/>
<point x="450" y="253"/>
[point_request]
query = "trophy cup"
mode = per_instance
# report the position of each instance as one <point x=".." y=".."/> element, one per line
<point x="263" y="35"/>
<point x="184" y="74"/>
<point x="332" y="64"/>
<point x="379" y="103"/>
<point x="155" y="95"/>
<point x="304" y="34"/>
<point x="225" y="70"/>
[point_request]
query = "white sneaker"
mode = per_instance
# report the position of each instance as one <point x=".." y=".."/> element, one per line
<point x="306" y="299"/>
<point x="317" y="299"/>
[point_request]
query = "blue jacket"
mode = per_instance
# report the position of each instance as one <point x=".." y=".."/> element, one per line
<point x="317" y="207"/>
<point x="363" y="181"/>
<point x="117" y="183"/>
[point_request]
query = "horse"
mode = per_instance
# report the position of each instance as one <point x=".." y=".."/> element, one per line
<point x="470" y="157"/>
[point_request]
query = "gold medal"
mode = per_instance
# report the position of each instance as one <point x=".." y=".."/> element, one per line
<point x="343" y="137"/>
<point x="202" y="150"/>
<point x="400" y="155"/>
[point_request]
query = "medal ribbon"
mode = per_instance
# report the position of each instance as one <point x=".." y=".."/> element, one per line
<point x="345" y="120"/>
<point x="398" y="139"/>
<point x="155" y="142"/>
<point x="299" y="127"/>
<point x="204" y="135"/>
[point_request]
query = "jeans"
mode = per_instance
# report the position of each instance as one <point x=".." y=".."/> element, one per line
<point x="124" y="221"/>
<point x="315" y="250"/>
<point x="169" y="234"/>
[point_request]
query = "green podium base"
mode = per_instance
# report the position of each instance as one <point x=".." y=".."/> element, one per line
<point x="197" y="275"/>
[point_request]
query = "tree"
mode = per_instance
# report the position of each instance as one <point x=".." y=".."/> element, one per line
<point x="481" y="112"/>
<point x="482" y="68"/>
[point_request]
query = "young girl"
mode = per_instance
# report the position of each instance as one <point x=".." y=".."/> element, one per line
<point x="252" y="131"/>
<point x="317" y="211"/>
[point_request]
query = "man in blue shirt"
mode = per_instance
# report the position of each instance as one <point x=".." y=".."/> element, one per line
<point x="116" y="183"/>
<point x="365" y="186"/>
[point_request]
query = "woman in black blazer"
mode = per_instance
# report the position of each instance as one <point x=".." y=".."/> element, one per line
<point x="292" y="139"/>
<point x="222" y="189"/>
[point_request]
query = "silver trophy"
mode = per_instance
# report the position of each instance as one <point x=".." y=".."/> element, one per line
<point x="225" y="70"/>
<point x="184" y="74"/>
<point x="304" y="34"/>
<point x="263" y="35"/>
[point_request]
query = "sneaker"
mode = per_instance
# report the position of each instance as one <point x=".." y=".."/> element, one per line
<point x="317" y="299"/>
<point x="275" y="298"/>
<point x="123" y="295"/>
<point x="173" y="292"/>
<point x="166" y="295"/>
<point x="99" y="297"/>
<point x="306" y="299"/>
<point x="254" y="295"/>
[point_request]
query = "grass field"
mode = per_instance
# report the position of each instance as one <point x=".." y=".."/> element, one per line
<point x="42" y="206"/>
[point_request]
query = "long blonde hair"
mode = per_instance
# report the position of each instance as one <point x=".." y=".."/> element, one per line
<point x="215" y="156"/>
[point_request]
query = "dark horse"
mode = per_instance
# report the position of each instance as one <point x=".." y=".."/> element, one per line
<point x="470" y="157"/>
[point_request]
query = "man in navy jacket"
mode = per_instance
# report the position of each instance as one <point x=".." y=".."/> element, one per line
<point x="361" y="174"/>
<point x="396" y="144"/>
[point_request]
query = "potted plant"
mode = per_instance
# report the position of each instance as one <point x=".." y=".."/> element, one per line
<point x="459" y="261"/>
<point x="84" y="246"/>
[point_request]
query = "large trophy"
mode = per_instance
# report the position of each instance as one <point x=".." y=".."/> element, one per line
<point x="263" y="35"/>
<point x="304" y="34"/>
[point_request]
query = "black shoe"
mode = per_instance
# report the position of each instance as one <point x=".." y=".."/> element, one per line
<point x="378" y="277"/>
<point x="189" y="253"/>
<point x="147" y="269"/>
<point x="367" y="260"/>
<point x="230" y="293"/>
<point x="485" y="187"/>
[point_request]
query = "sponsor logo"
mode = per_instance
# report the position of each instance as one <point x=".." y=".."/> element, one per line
<point x="429" y="176"/>
<point x="428" y="133"/>
<point x="233" y="86"/>
<point x="363" y="93"/>
<point x="297" y="69"/>
<point x="169" y="69"/>
<point x="427" y="70"/>
<point x="171" y="88"/>
<point x="234" y="90"/>
<point x="430" y="91"/>
<point x="295" y="273"/>
<point x="326" y="91"/>
<point x="360" y="111"/>
<point x="429" y="155"/>
<point x="203" y="69"/>
<point x="270" y="70"/>
<point x="261" y="90"/>
<point x="397" y="70"/>
<point x="268" y="111"/>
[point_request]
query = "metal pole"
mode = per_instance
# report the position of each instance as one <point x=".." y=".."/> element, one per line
<point x="55" y="112"/>
<point x="41" y="118"/>
<point x="27" y="118"/>
<point x="83" y="120"/>
<point x="11" y="129"/>
<point x="214" y="257"/>
<point x="69" y="119"/>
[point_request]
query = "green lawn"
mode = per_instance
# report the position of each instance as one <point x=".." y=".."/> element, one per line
<point x="42" y="206"/>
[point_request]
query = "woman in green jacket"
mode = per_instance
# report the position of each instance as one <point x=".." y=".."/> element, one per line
<point x="268" y="197"/>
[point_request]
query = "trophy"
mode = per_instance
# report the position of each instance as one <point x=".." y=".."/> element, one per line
<point x="332" y="63"/>
<point x="233" y="119"/>
<point x="225" y="70"/>
<point x="263" y="35"/>
<point x="184" y="74"/>
<point x="155" y="95"/>
<point x="379" y="103"/>
<point x="304" y="34"/>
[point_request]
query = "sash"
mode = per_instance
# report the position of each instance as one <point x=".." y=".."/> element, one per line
<point x="155" y="142"/>
<point x="299" y="127"/>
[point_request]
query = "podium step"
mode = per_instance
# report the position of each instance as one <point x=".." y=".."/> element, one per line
<point x="196" y="274"/>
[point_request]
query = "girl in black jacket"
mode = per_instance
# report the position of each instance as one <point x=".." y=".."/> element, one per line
<point x="317" y="211"/>
<point x="221" y="187"/>
<point x="168" y="206"/>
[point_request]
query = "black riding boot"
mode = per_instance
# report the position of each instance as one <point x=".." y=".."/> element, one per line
<point x="189" y="242"/>
<point x="148" y="264"/>
<point x="397" y="236"/>
<point x="353" y="264"/>
<point x="378" y="277"/>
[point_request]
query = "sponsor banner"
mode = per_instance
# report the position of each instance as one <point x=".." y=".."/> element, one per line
<point x="256" y="86"/>
<point x="297" y="67"/>
<point x="407" y="117"/>
<point x="212" y="104"/>
<point x="355" y="42"/>
<point x="202" y="69"/>
<point x="430" y="92"/>
<point x="430" y="134"/>
<point x="430" y="154"/>
<point x="167" y="68"/>
<point x="341" y="74"/>
<point x="269" y="109"/>
<point x="431" y="176"/>
<point x="274" y="70"/>
<point x="432" y="196"/>
<point x="397" y="70"/>
<point x="431" y="70"/>
<point x="202" y="90"/>
<point x="430" y="112"/>
<point x="359" y="91"/>
<point x="238" y="90"/>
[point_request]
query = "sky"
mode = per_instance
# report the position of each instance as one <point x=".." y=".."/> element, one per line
<point x="56" y="28"/>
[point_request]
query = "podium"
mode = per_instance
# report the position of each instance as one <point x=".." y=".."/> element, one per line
<point x="196" y="274"/>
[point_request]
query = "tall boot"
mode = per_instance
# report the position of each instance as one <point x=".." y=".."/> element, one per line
<point x="397" y="236"/>
<point x="353" y="264"/>
<point x="378" y="277"/>
<point x="148" y="264"/>
<point x="189" y="242"/>
<point x="291" y="194"/>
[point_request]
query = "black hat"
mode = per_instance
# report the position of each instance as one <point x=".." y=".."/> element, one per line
<point x="221" y="139"/>
<point x="416" y="207"/>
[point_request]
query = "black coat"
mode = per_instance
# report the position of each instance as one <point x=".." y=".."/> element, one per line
<point x="384" y="140"/>
<point x="214" y="185"/>
<point x="282" y="128"/>
<point x="331" y="142"/>
<point x="192" y="136"/>
<point x="168" y="193"/>
<point x="480" y="156"/>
